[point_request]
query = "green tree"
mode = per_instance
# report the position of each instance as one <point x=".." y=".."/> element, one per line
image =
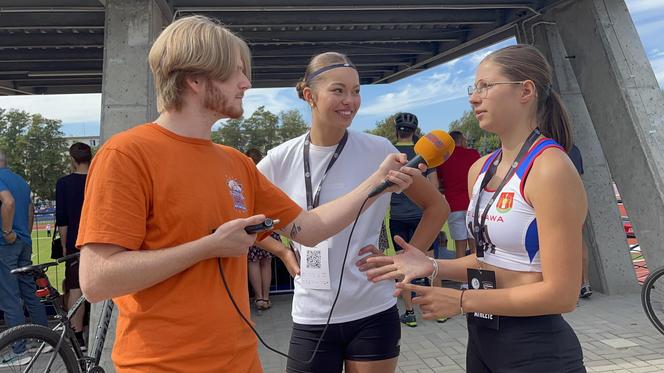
<point x="13" y="126"/>
<point x="484" y="142"/>
<point x="385" y="128"/>
<point x="45" y="156"/>
<point x="230" y="134"/>
<point x="292" y="125"/>
<point x="36" y="149"/>
<point x="261" y="131"/>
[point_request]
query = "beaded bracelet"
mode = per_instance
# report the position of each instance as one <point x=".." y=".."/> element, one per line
<point x="434" y="274"/>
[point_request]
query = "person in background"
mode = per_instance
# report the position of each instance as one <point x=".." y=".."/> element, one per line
<point x="453" y="179"/>
<point x="259" y="258"/>
<point x="69" y="194"/>
<point x="586" y="291"/>
<point x="405" y="215"/>
<point x="16" y="219"/>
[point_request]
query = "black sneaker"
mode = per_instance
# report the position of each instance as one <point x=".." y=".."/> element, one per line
<point x="586" y="291"/>
<point x="409" y="319"/>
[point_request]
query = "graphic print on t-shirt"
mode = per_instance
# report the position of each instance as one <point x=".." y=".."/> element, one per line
<point x="235" y="189"/>
<point x="505" y="202"/>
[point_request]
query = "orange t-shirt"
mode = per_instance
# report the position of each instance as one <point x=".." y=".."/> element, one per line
<point x="150" y="189"/>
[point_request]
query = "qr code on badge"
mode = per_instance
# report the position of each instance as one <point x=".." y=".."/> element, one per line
<point x="313" y="259"/>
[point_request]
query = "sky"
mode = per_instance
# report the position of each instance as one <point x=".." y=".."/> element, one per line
<point x="437" y="96"/>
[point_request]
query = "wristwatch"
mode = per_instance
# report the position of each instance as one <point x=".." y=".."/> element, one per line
<point x="6" y="233"/>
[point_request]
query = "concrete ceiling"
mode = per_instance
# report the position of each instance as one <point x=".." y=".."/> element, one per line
<point x="56" y="46"/>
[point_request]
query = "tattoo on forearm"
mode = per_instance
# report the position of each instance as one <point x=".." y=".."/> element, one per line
<point x="295" y="230"/>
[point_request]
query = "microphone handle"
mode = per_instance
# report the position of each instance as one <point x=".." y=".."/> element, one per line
<point x="386" y="184"/>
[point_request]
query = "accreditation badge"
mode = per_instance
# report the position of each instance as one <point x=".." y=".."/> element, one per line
<point x="485" y="280"/>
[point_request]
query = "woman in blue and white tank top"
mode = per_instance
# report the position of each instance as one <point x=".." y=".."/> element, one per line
<point x="526" y="212"/>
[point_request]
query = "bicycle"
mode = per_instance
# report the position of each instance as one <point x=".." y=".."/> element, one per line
<point x="652" y="298"/>
<point x="36" y="348"/>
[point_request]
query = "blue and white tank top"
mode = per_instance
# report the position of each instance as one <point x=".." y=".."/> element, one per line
<point x="511" y="227"/>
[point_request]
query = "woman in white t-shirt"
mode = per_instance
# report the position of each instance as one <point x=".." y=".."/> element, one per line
<point x="320" y="166"/>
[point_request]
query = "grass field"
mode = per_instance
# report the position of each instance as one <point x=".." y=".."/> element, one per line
<point x="41" y="253"/>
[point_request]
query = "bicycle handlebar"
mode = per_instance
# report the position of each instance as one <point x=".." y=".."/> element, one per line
<point x="67" y="257"/>
<point x="36" y="268"/>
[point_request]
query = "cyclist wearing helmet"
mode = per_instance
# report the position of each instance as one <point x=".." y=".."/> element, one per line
<point x="405" y="215"/>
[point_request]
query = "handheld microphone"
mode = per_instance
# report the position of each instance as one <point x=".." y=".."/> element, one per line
<point x="432" y="149"/>
<point x="266" y="225"/>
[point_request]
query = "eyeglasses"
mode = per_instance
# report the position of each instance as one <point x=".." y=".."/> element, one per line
<point x="483" y="88"/>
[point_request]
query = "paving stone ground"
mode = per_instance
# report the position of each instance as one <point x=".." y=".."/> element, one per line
<point x="614" y="332"/>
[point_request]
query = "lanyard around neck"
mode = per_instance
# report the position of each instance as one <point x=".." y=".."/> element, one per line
<point x="479" y="222"/>
<point x="314" y="200"/>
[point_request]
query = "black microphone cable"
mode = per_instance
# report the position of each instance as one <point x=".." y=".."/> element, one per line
<point x="327" y="324"/>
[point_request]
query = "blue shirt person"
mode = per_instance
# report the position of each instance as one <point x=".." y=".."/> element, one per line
<point x="16" y="251"/>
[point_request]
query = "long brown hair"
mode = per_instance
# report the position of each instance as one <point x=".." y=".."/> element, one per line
<point x="524" y="62"/>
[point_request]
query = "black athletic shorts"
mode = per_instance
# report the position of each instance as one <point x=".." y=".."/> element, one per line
<point x="71" y="274"/>
<point x="372" y="338"/>
<point x="524" y="345"/>
<point x="404" y="229"/>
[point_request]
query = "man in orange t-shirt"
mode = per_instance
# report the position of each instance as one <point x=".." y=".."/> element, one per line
<point x="165" y="211"/>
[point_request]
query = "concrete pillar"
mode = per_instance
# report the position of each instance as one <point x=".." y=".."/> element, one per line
<point x="626" y="106"/>
<point x="128" y="95"/>
<point x="127" y="89"/>
<point x="610" y="266"/>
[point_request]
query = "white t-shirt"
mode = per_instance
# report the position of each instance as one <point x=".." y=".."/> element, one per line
<point x="361" y="157"/>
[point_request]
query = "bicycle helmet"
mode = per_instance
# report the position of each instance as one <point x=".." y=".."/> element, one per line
<point x="405" y="121"/>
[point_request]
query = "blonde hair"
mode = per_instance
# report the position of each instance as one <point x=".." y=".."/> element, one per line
<point x="193" y="46"/>
<point x="318" y="62"/>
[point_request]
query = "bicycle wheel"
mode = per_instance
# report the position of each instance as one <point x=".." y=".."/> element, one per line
<point x="31" y="348"/>
<point x="652" y="298"/>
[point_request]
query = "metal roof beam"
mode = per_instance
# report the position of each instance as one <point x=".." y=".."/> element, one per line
<point x="49" y="3"/>
<point x="262" y="52"/>
<point x="360" y="61"/>
<point x="60" y="65"/>
<point x="50" y="28"/>
<point x="38" y="39"/>
<point x="52" y="9"/>
<point x="473" y="43"/>
<point x="293" y="6"/>
<point x="340" y="43"/>
<point x="285" y="18"/>
<point x="45" y="55"/>
<point x="51" y="20"/>
<point x="54" y="82"/>
<point x="353" y="25"/>
<point x="362" y="36"/>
